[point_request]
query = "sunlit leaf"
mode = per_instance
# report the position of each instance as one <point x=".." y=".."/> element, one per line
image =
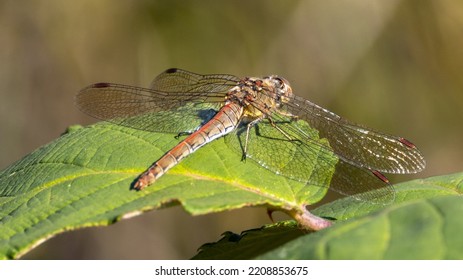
<point x="84" y="179"/>
<point x="424" y="223"/>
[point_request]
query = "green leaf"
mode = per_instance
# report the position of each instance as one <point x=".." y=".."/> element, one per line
<point x="424" y="223"/>
<point x="250" y="243"/>
<point x="84" y="179"/>
<point x="348" y="207"/>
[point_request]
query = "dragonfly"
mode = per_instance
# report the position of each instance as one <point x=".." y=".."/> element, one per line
<point x="246" y="111"/>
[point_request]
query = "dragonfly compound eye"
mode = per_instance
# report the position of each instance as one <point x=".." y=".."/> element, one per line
<point x="282" y="89"/>
<point x="279" y="83"/>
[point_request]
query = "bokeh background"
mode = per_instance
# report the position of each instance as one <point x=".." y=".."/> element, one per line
<point x="393" y="65"/>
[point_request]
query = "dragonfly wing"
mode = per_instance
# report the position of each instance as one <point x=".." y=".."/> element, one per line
<point x="356" y="144"/>
<point x="178" y="101"/>
<point x="309" y="162"/>
<point x="183" y="119"/>
<point x="361" y="184"/>
<point x="176" y="81"/>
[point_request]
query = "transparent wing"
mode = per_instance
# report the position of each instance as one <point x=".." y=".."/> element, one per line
<point x="177" y="101"/>
<point x="179" y="82"/>
<point x="311" y="162"/>
<point x="356" y="144"/>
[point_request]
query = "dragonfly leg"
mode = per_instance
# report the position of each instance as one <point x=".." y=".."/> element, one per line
<point x="274" y="125"/>
<point x="284" y="133"/>
<point x="180" y="134"/>
<point x="289" y="115"/>
<point x="248" y="129"/>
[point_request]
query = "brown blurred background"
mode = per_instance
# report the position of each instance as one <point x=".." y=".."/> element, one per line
<point x="392" y="65"/>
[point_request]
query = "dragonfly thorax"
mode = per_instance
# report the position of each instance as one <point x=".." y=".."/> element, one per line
<point x="259" y="96"/>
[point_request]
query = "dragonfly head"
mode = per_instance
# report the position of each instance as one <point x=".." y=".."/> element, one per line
<point x="279" y="87"/>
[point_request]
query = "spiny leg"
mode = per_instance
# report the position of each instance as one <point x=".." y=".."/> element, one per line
<point x="273" y="124"/>
<point x="248" y="129"/>
<point x="286" y="135"/>
<point x="183" y="133"/>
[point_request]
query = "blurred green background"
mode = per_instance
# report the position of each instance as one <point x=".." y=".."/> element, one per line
<point x="392" y="65"/>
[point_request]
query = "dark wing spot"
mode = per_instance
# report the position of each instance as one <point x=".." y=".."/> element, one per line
<point x="100" y="85"/>
<point x="171" y="70"/>
<point x="380" y="176"/>
<point x="407" y="143"/>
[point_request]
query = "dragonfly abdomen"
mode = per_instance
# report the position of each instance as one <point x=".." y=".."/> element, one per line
<point x="221" y="124"/>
